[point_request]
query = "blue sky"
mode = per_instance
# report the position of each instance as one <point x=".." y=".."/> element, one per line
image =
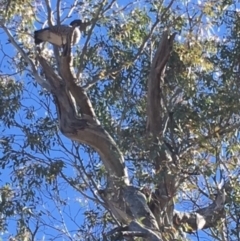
<point x="75" y="203"/>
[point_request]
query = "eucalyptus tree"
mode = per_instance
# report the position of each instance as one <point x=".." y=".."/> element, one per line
<point x="130" y="135"/>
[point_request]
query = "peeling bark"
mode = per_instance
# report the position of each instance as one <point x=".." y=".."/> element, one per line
<point x="156" y="80"/>
<point x="155" y="220"/>
<point x="168" y="167"/>
<point x="202" y="218"/>
<point x="137" y="203"/>
<point x="162" y="202"/>
<point x="85" y="128"/>
<point x="134" y="229"/>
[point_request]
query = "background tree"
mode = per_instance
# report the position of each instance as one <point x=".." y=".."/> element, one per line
<point x="133" y="134"/>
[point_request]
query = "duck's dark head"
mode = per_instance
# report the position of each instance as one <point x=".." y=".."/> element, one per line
<point x="76" y="23"/>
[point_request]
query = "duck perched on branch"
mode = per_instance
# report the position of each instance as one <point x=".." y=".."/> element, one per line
<point x="58" y="35"/>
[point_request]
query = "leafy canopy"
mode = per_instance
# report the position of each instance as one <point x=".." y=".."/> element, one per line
<point x="48" y="182"/>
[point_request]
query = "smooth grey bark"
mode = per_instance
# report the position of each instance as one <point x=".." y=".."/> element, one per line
<point x="157" y="219"/>
<point x="167" y="161"/>
<point x="86" y="129"/>
<point x="157" y="113"/>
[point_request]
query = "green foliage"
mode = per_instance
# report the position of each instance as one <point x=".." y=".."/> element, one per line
<point x="10" y="102"/>
<point x="51" y="181"/>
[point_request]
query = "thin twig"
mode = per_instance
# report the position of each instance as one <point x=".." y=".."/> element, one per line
<point x="40" y="81"/>
<point x="71" y="9"/>
<point x="84" y="50"/>
<point x="58" y="12"/>
<point x="114" y="70"/>
<point x="49" y="11"/>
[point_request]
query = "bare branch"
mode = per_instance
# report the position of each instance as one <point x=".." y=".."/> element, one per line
<point x="167" y="9"/>
<point x="50" y="14"/>
<point x="149" y="35"/>
<point x="148" y="233"/>
<point x="78" y="93"/>
<point x="137" y="203"/>
<point x="51" y="23"/>
<point x="125" y="202"/>
<point x="87" y="129"/>
<point x="58" y="12"/>
<point x="202" y="218"/>
<point x="71" y="9"/>
<point x="103" y="74"/>
<point x="84" y="50"/>
<point x="39" y="80"/>
<point x="134" y="229"/>
<point x="155" y="83"/>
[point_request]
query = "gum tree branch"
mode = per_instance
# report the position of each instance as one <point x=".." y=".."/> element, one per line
<point x="73" y="7"/>
<point x="49" y="12"/>
<point x="166" y="169"/>
<point x="78" y="121"/>
<point x="39" y="80"/>
<point x="84" y="49"/>
<point x="58" y="12"/>
<point x="155" y="84"/>
<point x="103" y="74"/>
<point x="202" y="218"/>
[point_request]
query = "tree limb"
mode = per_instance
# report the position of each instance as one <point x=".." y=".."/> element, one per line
<point x="39" y="80"/>
<point x="155" y="83"/>
<point x="137" y="204"/>
<point x="166" y="181"/>
<point x="202" y="218"/>
<point x="85" y="129"/>
<point x="134" y="229"/>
